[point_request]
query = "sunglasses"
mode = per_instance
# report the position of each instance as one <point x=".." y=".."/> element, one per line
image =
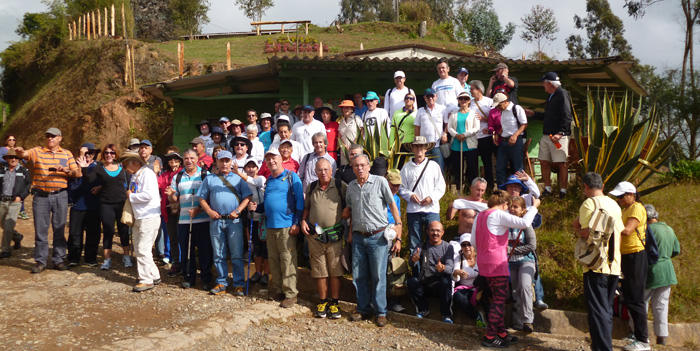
<point x="466" y="244"/>
<point x="620" y="196"/>
<point x="50" y="136"/>
<point x="110" y="153"/>
<point x="224" y="122"/>
<point x="285" y="104"/>
<point x="463" y="99"/>
<point x="252" y="116"/>
<point x="430" y="96"/>
<point x="11" y="139"/>
<point x="410" y="98"/>
<point x="239" y="144"/>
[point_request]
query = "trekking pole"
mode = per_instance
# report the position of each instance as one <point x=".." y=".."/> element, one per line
<point x="461" y="169"/>
<point x="189" y="243"/>
<point x="250" y="253"/>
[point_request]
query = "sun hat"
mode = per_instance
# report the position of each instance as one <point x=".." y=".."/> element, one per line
<point x="370" y="96"/>
<point x="512" y="179"/>
<point x="248" y="143"/>
<point x="347" y="103"/>
<point x="419" y="140"/>
<point x="131" y="156"/>
<point x="393" y="177"/>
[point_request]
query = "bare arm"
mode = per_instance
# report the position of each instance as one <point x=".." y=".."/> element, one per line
<point x="630" y="226"/>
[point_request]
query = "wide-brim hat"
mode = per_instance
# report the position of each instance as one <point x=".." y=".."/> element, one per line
<point x="173" y="155"/>
<point x="10" y="152"/>
<point x="379" y="167"/>
<point x="131" y="156"/>
<point x="419" y="140"/>
<point x="329" y="107"/>
<point x="237" y="139"/>
<point x="347" y="103"/>
<point x="370" y="96"/>
<point x="204" y="121"/>
<point x="218" y="130"/>
<point x="514" y="180"/>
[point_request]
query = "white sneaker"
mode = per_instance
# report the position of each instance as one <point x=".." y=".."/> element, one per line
<point x="107" y="264"/>
<point x="637" y="345"/>
<point x="127" y="261"/>
<point x="629" y="339"/>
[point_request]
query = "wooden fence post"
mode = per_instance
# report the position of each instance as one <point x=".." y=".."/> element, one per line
<point x="94" y="25"/>
<point x="80" y="25"/>
<point x="123" y="21"/>
<point x="133" y="69"/>
<point x="113" y="30"/>
<point x="106" y="23"/>
<point x="99" y="23"/>
<point x="127" y="66"/>
<point x="320" y="49"/>
<point x="70" y="32"/>
<point x="228" y="56"/>
<point x="181" y="58"/>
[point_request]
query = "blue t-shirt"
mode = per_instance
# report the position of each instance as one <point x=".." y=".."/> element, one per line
<point x="397" y="200"/>
<point x="219" y="197"/>
<point x="186" y="191"/>
<point x="279" y="202"/>
<point x="359" y="111"/>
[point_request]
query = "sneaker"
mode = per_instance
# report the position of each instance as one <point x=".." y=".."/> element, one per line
<point x="510" y="339"/>
<point x="448" y="320"/>
<point x="546" y="193"/>
<point x="335" y="311"/>
<point x="381" y="321"/>
<point x="288" y="302"/>
<point x="91" y="264"/>
<point x="60" y="267"/>
<point x="322" y="309"/>
<point x="140" y="287"/>
<point x="18" y="243"/>
<point x="218" y="289"/>
<point x="5" y="254"/>
<point x="72" y="264"/>
<point x="496" y="342"/>
<point x="156" y="281"/>
<point x="480" y="321"/>
<point x="629" y="339"/>
<point x="255" y="278"/>
<point x="265" y="279"/>
<point x="423" y="314"/>
<point x="23" y="215"/>
<point x="637" y="345"/>
<point x="185" y="285"/>
<point x="127" y="261"/>
<point x="238" y="291"/>
<point x="527" y="328"/>
<point x="38" y="268"/>
<point x="174" y="271"/>
<point x="106" y="264"/>
<point x="562" y="195"/>
<point x="540" y="305"/>
<point x="660" y="340"/>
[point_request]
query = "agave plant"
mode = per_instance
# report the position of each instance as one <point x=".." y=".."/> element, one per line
<point x="618" y="143"/>
<point x="378" y="144"/>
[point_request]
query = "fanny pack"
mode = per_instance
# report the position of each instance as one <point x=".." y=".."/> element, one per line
<point x="331" y="234"/>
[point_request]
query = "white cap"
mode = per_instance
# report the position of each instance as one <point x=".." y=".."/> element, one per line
<point x="498" y="98"/>
<point x="399" y="74"/>
<point x="272" y="151"/>
<point x="623" y="188"/>
<point x="465" y="237"/>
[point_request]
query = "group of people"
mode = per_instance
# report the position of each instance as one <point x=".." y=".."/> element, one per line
<point x="297" y="183"/>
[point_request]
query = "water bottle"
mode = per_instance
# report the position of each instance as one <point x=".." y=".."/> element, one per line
<point x="318" y="229"/>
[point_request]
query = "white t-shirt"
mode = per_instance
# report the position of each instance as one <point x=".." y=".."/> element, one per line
<point x="393" y="99"/>
<point x="377" y="117"/>
<point x="302" y="133"/>
<point x="485" y="105"/>
<point x="508" y="122"/>
<point x="446" y="91"/>
<point x="296" y="148"/>
<point x="438" y="115"/>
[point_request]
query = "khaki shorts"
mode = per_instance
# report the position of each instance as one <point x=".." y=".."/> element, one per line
<point x="325" y="258"/>
<point x="550" y="153"/>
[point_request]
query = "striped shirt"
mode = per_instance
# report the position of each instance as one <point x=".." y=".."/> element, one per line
<point x="41" y="159"/>
<point x="186" y="192"/>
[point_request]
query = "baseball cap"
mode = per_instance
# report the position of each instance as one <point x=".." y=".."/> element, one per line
<point x="623" y="188"/>
<point x="464" y="94"/>
<point x="308" y="108"/>
<point x="146" y="142"/>
<point x="393" y="178"/>
<point x="265" y="115"/>
<point x="53" y="131"/>
<point x="498" y="98"/>
<point x="272" y="151"/>
<point x="224" y="119"/>
<point x="462" y="70"/>
<point x="551" y="76"/>
<point x="134" y="141"/>
<point x="288" y="141"/>
<point x="465" y="237"/>
<point x="399" y="74"/>
<point x="197" y="140"/>
<point x="429" y="91"/>
<point x="89" y="146"/>
<point x="249" y="160"/>
<point x="224" y="154"/>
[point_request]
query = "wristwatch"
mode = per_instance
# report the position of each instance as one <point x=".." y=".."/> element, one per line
<point x="398" y="223"/>
<point x="238" y="212"/>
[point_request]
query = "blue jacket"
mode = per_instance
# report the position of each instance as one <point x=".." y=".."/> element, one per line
<point x="79" y="192"/>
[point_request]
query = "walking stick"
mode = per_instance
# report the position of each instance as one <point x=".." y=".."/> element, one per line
<point x="461" y="169"/>
<point x="250" y="253"/>
<point x="189" y="243"/>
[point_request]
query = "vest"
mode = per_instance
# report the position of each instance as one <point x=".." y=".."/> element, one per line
<point x="491" y="257"/>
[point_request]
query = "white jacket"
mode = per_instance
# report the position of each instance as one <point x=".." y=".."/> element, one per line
<point x="471" y="127"/>
<point x="145" y="198"/>
<point x="431" y="184"/>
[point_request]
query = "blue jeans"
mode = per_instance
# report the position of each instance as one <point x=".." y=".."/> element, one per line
<point x="162" y="240"/>
<point x="417" y="225"/>
<point x="227" y="237"/>
<point x="539" y="291"/>
<point x="437" y="157"/>
<point x="508" y="154"/>
<point x="369" y="260"/>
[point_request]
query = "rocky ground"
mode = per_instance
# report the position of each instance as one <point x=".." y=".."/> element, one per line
<point x="86" y="309"/>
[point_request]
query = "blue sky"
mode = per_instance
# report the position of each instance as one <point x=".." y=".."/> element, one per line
<point x="656" y="39"/>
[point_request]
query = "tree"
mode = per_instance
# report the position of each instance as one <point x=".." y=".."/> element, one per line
<point x="255" y="9"/>
<point x="153" y="20"/>
<point x="605" y="33"/>
<point x="190" y="15"/>
<point x="478" y="25"/>
<point x="539" y="27"/>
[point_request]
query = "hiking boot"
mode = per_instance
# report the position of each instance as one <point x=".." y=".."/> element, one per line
<point x="660" y="340"/>
<point x="265" y="279"/>
<point x="5" y="254"/>
<point x="218" y="289"/>
<point x="140" y="287"/>
<point x="546" y="193"/>
<point x="277" y="297"/>
<point x="335" y="311"/>
<point x="255" y="278"/>
<point x="322" y="309"/>
<point x="106" y="264"/>
<point x="18" y="243"/>
<point x="38" y="268"/>
<point x="357" y="316"/>
<point x="174" y="271"/>
<point x="562" y="195"/>
<point x="540" y="305"/>
<point x="637" y="345"/>
<point x="527" y="328"/>
<point x="60" y="267"/>
<point x="238" y="291"/>
<point x="288" y="302"/>
<point x="127" y="261"/>
<point x="381" y="321"/>
<point x="495" y="342"/>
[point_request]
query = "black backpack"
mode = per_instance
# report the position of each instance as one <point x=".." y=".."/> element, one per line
<point x="338" y="185"/>
<point x="178" y="178"/>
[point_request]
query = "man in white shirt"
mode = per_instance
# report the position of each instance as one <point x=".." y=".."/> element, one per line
<point x="375" y="116"/>
<point x="393" y="99"/>
<point x="307" y="166"/>
<point x="284" y="132"/>
<point x="430" y="123"/>
<point x="510" y="150"/>
<point x="304" y="129"/>
<point x="422" y="186"/>
<point x="446" y="88"/>
<point x="481" y="105"/>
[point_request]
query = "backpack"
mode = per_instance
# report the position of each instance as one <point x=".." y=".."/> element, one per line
<point x="338" y="185"/>
<point x="396" y="277"/>
<point x="595" y="253"/>
<point x="178" y="178"/>
<point x="650" y="245"/>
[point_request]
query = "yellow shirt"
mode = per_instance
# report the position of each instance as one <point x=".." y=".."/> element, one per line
<point x="612" y="208"/>
<point x="631" y="243"/>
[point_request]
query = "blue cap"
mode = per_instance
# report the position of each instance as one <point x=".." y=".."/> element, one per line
<point x="370" y="96"/>
<point x="551" y="76"/>
<point x="462" y="70"/>
<point x="217" y="129"/>
<point x="224" y="154"/>
<point x="512" y="179"/>
<point x="89" y="146"/>
<point x="308" y="108"/>
<point x="224" y="119"/>
<point x="147" y="142"/>
<point x="429" y="91"/>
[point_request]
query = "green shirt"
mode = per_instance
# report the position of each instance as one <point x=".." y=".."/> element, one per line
<point x="662" y="273"/>
<point x="404" y="123"/>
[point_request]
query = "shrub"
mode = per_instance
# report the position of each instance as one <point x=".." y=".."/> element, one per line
<point x="415" y="11"/>
<point x="685" y="170"/>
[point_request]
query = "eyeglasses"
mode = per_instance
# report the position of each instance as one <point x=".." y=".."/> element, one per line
<point x="430" y="96"/>
<point x="285" y="104"/>
<point x="110" y="153"/>
<point x="11" y="139"/>
<point x="466" y="244"/>
<point x="239" y="144"/>
<point x="410" y="98"/>
<point x="252" y="115"/>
